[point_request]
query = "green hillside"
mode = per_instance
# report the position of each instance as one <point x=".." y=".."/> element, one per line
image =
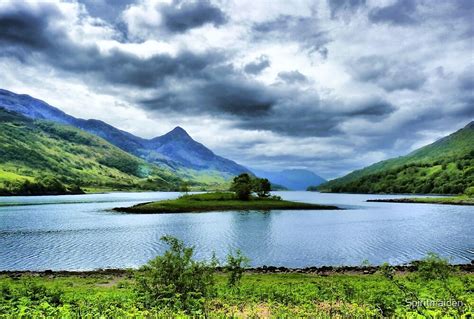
<point x="444" y="167"/>
<point x="41" y="157"/>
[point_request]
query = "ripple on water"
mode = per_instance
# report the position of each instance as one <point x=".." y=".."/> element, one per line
<point x="86" y="236"/>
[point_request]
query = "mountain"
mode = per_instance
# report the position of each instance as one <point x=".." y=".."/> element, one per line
<point x="179" y="147"/>
<point x="443" y="167"/>
<point x="176" y="149"/>
<point x="43" y="157"/>
<point x="292" y="179"/>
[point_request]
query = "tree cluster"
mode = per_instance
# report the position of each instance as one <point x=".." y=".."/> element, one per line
<point x="41" y="186"/>
<point x="244" y="185"/>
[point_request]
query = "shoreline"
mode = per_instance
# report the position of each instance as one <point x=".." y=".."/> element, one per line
<point x="135" y="210"/>
<point x="427" y="200"/>
<point x="314" y="270"/>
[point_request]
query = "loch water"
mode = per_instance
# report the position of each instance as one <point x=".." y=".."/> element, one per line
<point x="81" y="232"/>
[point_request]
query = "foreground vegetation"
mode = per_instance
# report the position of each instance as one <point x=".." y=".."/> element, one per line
<point x="176" y="285"/>
<point x="456" y="200"/>
<point x="444" y="167"/>
<point x="218" y="202"/>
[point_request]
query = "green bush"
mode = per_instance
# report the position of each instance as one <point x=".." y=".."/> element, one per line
<point x="236" y="265"/>
<point x="433" y="267"/>
<point x="175" y="280"/>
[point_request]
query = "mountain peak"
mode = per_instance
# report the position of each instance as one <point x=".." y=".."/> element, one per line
<point x="178" y="132"/>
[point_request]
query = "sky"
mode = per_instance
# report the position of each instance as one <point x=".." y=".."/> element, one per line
<point x="329" y="86"/>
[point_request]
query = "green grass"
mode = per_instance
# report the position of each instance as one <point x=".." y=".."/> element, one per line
<point x="259" y="296"/>
<point x="218" y="202"/>
<point x="455" y="200"/>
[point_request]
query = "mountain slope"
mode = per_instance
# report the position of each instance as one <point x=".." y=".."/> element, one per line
<point x="175" y="149"/>
<point x="443" y="167"/>
<point x="179" y="147"/>
<point x="292" y="179"/>
<point x="35" y="150"/>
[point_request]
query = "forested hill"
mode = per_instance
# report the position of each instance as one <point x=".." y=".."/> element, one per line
<point x="176" y="149"/>
<point x="443" y="167"/>
<point x="42" y="157"/>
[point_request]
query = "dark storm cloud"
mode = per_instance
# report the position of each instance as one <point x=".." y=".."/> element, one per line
<point x="258" y="65"/>
<point x="32" y="35"/>
<point x="338" y="6"/>
<point x="304" y="30"/>
<point x="29" y="29"/>
<point x="209" y="85"/>
<point x="389" y="74"/>
<point x="227" y="93"/>
<point x="219" y="90"/>
<point x="292" y="77"/>
<point x="180" y="16"/>
<point x="402" y="12"/>
<point x="312" y="116"/>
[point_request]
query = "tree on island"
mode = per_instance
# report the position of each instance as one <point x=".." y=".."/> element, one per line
<point x="244" y="185"/>
<point x="262" y="187"/>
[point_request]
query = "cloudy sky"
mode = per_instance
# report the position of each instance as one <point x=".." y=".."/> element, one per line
<point x="330" y="86"/>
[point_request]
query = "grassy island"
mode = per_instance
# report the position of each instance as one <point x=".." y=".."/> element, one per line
<point x="217" y="202"/>
<point x="457" y="200"/>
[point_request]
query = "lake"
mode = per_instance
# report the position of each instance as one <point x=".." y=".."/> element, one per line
<point x="81" y="233"/>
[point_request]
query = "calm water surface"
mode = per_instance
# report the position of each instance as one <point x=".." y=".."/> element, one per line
<point x="78" y="232"/>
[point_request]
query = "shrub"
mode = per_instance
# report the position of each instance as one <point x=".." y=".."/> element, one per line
<point x="235" y="267"/>
<point x="433" y="267"/>
<point x="175" y="280"/>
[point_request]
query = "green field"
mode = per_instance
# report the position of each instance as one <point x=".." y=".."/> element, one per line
<point x="217" y="202"/>
<point x="258" y="296"/>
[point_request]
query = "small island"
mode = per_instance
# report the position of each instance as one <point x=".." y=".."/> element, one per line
<point x="246" y="193"/>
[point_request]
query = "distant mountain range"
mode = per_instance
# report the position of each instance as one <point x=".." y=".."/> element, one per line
<point x="291" y="179"/>
<point x="443" y="167"/>
<point x="175" y="150"/>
